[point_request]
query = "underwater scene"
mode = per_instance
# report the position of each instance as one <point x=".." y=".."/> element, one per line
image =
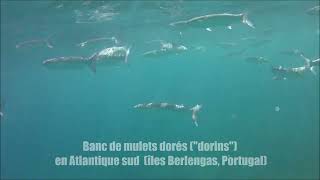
<point x="179" y="89"/>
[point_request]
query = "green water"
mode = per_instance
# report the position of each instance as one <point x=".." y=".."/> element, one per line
<point x="49" y="112"/>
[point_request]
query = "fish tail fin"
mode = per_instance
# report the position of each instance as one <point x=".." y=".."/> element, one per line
<point x="173" y="24"/>
<point x="246" y="21"/>
<point x="195" y="118"/>
<point x="307" y="61"/>
<point x="127" y="54"/>
<point x="313" y="70"/>
<point x="195" y="109"/>
<point x="48" y="43"/>
<point x="196" y="123"/>
<point x="46" y="61"/>
<point x="1" y="113"/>
<point x="178" y="23"/>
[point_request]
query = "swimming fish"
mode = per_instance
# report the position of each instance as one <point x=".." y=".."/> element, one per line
<point x="212" y="20"/>
<point x="309" y="66"/>
<point x="314" y="10"/>
<point x="177" y="107"/>
<point x="258" y="59"/>
<point x="114" y="53"/>
<point x="166" y="48"/>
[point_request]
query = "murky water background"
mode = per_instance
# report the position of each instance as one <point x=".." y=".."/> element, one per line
<point x="49" y="112"/>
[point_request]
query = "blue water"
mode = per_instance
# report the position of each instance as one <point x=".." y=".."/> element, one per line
<point x="49" y="112"/>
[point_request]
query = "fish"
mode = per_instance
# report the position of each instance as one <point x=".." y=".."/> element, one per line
<point x="165" y="49"/>
<point x="108" y="54"/>
<point x="34" y="41"/>
<point x="177" y="107"/>
<point x="212" y="20"/>
<point x="45" y="41"/>
<point x="84" y="43"/>
<point x="1" y="113"/>
<point x="195" y="109"/>
<point x="309" y="66"/>
<point x="258" y="59"/>
<point x="314" y="10"/>
<point x="294" y="52"/>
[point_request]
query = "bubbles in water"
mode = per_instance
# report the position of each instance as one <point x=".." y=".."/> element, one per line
<point x="277" y="108"/>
